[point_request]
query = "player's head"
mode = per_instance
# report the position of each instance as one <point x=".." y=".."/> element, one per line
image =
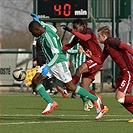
<point x="78" y="25"/>
<point x="85" y="22"/>
<point x="36" y="29"/>
<point x="103" y="33"/>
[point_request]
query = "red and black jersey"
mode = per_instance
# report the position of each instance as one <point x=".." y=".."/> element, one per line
<point x="119" y="53"/>
<point x="88" y="40"/>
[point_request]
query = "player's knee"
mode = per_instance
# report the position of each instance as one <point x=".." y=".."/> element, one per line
<point x="121" y="100"/>
<point x="79" y="71"/>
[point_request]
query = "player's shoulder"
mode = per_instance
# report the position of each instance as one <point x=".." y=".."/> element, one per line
<point x="113" y="42"/>
<point x="88" y="31"/>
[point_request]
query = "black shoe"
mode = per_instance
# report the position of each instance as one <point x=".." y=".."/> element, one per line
<point x="73" y="95"/>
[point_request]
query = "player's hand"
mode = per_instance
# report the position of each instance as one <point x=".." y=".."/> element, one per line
<point x="88" y="53"/>
<point x="35" y="17"/>
<point x="66" y="28"/>
<point x="80" y="49"/>
<point x="34" y="63"/>
<point x="45" y="71"/>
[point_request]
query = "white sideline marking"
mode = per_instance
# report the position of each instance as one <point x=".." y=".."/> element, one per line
<point x="62" y="115"/>
<point x="34" y="122"/>
<point x="32" y="115"/>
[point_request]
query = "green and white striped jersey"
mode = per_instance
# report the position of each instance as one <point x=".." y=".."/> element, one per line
<point x="51" y="45"/>
<point x="77" y="58"/>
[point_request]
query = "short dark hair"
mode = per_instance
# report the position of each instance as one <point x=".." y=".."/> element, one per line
<point x="34" y="25"/>
<point x="78" y="21"/>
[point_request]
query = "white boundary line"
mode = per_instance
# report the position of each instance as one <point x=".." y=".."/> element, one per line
<point x="32" y="115"/>
<point x="79" y="121"/>
<point x="62" y="115"/>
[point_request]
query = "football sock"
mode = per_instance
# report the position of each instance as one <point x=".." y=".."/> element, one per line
<point x="41" y="90"/>
<point x="128" y="106"/>
<point x="84" y="99"/>
<point x="75" y="79"/>
<point x="84" y="93"/>
<point x="128" y="99"/>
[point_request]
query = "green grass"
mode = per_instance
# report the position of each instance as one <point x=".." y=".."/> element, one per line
<point x="21" y="113"/>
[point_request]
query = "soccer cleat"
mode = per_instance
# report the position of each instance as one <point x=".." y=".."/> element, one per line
<point x="63" y="91"/>
<point x="130" y="121"/>
<point x="101" y="113"/>
<point x="87" y="105"/>
<point x="50" y="107"/>
<point x="98" y="105"/>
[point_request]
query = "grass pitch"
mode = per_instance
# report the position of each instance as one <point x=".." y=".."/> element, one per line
<point x="21" y="113"/>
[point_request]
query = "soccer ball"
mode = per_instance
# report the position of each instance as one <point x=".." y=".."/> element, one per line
<point x="19" y="74"/>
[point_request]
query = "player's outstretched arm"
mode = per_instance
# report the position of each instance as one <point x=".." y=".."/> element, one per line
<point x="67" y="46"/>
<point x="81" y="36"/>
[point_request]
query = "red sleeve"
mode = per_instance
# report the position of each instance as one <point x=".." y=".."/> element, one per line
<point x="126" y="47"/>
<point x="67" y="46"/>
<point x="81" y="36"/>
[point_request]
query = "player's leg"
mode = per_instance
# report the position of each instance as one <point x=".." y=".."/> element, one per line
<point x="87" y="68"/>
<point x="87" y="103"/>
<point x="49" y="86"/>
<point x="76" y="78"/>
<point x="129" y="107"/>
<point x="97" y="102"/>
<point x="81" y="69"/>
<point x="34" y="92"/>
<point x="41" y="90"/>
<point x="60" y="87"/>
<point x="64" y="75"/>
<point x="124" y="85"/>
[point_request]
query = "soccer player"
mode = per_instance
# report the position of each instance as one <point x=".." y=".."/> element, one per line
<point x="56" y="66"/>
<point x="78" y="57"/>
<point x="121" y="55"/>
<point x="87" y="39"/>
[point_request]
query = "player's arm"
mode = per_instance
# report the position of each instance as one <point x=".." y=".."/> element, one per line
<point x="98" y="60"/>
<point x="126" y="47"/>
<point x="77" y="34"/>
<point x="89" y="54"/>
<point x="67" y="46"/>
<point x="81" y="36"/>
<point x="70" y="45"/>
<point x="54" y="60"/>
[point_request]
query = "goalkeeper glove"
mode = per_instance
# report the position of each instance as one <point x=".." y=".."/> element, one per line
<point x="45" y="71"/>
<point x="35" y="17"/>
<point x="66" y="28"/>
